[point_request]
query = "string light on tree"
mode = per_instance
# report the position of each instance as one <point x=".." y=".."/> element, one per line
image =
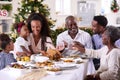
<point x="30" y="6"/>
<point x="39" y="0"/>
<point x="26" y="2"/>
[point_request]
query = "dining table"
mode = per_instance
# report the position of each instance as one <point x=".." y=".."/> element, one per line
<point x="77" y="72"/>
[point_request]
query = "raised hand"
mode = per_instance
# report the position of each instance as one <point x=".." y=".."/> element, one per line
<point x="60" y="46"/>
<point x="78" y="46"/>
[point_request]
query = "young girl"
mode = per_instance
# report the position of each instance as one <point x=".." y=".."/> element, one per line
<point x="6" y="57"/>
<point x="22" y="45"/>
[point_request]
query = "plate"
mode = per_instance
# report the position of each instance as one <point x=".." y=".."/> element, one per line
<point x="84" y="56"/>
<point x="54" y="70"/>
<point x="22" y="62"/>
<point x="39" y="58"/>
<point x="78" y="60"/>
<point x="16" y="66"/>
<point x="54" y="73"/>
<point x="66" y="65"/>
<point x="66" y="58"/>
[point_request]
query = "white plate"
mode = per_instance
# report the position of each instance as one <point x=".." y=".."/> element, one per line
<point x="39" y="58"/>
<point x="21" y="62"/>
<point x="66" y="58"/>
<point x="66" y="65"/>
<point x="78" y="60"/>
<point x="54" y="73"/>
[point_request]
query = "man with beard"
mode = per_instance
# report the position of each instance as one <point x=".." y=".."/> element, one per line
<point x="73" y="34"/>
<point x="98" y="27"/>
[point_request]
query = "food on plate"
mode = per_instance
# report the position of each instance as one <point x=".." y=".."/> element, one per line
<point x="24" y="58"/>
<point x="16" y="65"/>
<point x="42" y="64"/>
<point x="68" y="60"/>
<point x="54" y="69"/>
<point x="54" y="54"/>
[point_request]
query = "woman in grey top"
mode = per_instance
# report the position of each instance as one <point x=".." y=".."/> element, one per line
<point x="109" y="56"/>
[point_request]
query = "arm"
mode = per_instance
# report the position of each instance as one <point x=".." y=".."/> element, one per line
<point x="9" y="58"/>
<point x="113" y="67"/>
<point x="2" y="61"/>
<point x="94" y="53"/>
<point x="89" y="42"/>
<point x="90" y="52"/>
<point x="28" y="53"/>
<point x="49" y="43"/>
<point x="30" y="47"/>
<point x="60" y="43"/>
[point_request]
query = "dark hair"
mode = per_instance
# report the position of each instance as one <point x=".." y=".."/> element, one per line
<point x="5" y="40"/>
<point x="102" y="20"/>
<point x="45" y="30"/>
<point x="18" y="26"/>
<point x="69" y="17"/>
<point x="113" y="33"/>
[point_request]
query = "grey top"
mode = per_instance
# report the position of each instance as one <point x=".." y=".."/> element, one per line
<point x="6" y="59"/>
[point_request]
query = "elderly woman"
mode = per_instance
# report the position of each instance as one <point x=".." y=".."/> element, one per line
<point x="109" y="54"/>
<point x="40" y="33"/>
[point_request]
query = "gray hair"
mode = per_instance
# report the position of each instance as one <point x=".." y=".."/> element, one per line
<point x="113" y="32"/>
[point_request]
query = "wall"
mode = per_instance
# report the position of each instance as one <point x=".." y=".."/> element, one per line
<point x="61" y="18"/>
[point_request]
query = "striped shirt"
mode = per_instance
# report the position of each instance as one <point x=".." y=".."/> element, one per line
<point x="6" y="59"/>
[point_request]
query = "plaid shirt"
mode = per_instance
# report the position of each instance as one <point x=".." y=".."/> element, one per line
<point x="6" y="59"/>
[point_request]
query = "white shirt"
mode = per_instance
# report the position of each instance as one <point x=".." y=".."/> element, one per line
<point x="37" y="47"/>
<point x="109" y="63"/>
<point x="21" y="42"/>
<point x="82" y="37"/>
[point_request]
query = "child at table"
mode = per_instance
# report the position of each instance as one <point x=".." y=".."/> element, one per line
<point x="6" y="45"/>
<point x="22" y="45"/>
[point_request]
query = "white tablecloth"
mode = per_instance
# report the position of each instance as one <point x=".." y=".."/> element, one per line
<point x="72" y="74"/>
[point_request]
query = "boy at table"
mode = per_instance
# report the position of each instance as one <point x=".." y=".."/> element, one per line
<point x="6" y="57"/>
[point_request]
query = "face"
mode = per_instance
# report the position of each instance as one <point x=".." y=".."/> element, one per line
<point x="10" y="46"/>
<point x="95" y="27"/>
<point x="72" y="26"/>
<point x="105" y="38"/>
<point x="24" y="31"/>
<point x="36" y="27"/>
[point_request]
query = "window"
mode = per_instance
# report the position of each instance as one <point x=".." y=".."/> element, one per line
<point x="86" y="12"/>
<point x="63" y="7"/>
<point x="105" y="6"/>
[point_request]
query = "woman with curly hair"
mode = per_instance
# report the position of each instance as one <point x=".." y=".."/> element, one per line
<point x="39" y="33"/>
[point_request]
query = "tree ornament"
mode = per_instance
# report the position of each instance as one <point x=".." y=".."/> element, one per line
<point x="114" y="6"/>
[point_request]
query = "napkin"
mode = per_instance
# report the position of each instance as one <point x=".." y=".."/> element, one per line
<point x="34" y="75"/>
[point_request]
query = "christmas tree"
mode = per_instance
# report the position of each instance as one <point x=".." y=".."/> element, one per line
<point x="28" y="7"/>
<point x="114" y="6"/>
